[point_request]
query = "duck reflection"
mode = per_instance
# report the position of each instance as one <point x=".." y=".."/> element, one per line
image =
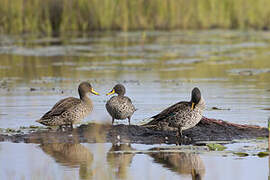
<point x="119" y="159"/>
<point x="71" y="155"/>
<point x="181" y="163"/>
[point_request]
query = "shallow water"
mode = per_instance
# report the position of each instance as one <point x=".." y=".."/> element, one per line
<point x="232" y="69"/>
<point x="104" y="161"/>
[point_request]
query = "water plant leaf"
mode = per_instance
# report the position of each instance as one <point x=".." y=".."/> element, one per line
<point x="33" y="127"/>
<point x="241" y="154"/>
<point x="263" y="154"/>
<point x="215" y="147"/>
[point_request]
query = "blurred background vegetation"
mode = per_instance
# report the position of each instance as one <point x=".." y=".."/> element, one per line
<point x="58" y="16"/>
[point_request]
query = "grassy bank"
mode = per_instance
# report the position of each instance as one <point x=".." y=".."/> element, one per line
<point x="56" y="16"/>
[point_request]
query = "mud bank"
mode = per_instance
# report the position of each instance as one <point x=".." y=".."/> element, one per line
<point x="152" y="133"/>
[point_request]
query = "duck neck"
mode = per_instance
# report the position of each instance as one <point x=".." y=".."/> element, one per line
<point x="83" y="95"/>
<point x="121" y="94"/>
<point x="85" y="98"/>
<point x="201" y="104"/>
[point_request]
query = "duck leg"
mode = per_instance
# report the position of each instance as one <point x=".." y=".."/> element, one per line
<point x="60" y="128"/>
<point x="71" y="126"/>
<point x="129" y="120"/>
<point x="112" y="121"/>
<point x="179" y="136"/>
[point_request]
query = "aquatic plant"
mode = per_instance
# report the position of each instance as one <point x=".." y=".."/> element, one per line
<point x="58" y="16"/>
<point x="215" y="147"/>
<point x="241" y="154"/>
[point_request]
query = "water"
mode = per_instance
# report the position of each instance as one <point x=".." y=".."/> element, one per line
<point x="232" y="69"/>
<point x="102" y="161"/>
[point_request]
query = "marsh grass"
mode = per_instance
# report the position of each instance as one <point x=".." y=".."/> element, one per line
<point x="58" y="16"/>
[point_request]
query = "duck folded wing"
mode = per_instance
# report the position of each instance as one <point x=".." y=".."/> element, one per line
<point x="177" y="108"/>
<point x="62" y="106"/>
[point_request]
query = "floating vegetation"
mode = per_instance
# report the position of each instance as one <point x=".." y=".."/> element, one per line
<point x="216" y="147"/>
<point x="263" y="154"/>
<point x="241" y="154"/>
<point x="9" y="130"/>
<point x="34" y="127"/>
<point x="216" y="108"/>
<point x="262" y="138"/>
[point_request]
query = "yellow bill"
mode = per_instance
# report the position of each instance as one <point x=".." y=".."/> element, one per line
<point x="192" y="106"/>
<point x="94" y="92"/>
<point x="112" y="92"/>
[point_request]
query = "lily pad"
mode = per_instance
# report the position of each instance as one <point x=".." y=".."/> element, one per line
<point x="216" y="147"/>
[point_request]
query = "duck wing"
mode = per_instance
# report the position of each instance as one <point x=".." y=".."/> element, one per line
<point x="177" y="108"/>
<point x="62" y="106"/>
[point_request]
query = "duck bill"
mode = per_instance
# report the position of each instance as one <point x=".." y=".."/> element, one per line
<point x="112" y="92"/>
<point x="192" y="106"/>
<point x="94" y="92"/>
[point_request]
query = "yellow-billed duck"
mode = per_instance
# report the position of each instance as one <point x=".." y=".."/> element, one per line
<point x="183" y="115"/>
<point x="69" y="111"/>
<point x="120" y="106"/>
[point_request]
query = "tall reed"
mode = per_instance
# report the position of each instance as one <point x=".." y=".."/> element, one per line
<point x="58" y="16"/>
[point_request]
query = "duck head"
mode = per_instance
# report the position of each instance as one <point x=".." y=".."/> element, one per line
<point x="118" y="89"/>
<point x="195" y="97"/>
<point x="85" y="88"/>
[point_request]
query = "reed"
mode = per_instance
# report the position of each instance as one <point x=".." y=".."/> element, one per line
<point x="58" y="16"/>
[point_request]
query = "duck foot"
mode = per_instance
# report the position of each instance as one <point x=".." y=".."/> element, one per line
<point x="60" y="129"/>
<point x="183" y="140"/>
<point x="64" y="128"/>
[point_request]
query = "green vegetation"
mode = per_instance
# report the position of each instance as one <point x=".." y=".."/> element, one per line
<point x="263" y="154"/>
<point x="241" y="154"/>
<point x="58" y="16"/>
<point x="216" y="147"/>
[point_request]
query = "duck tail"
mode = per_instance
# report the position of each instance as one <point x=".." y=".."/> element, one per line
<point x="145" y="122"/>
<point x="39" y="120"/>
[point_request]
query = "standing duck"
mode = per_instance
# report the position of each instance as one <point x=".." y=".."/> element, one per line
<point x="120" y="106"/>
<point x="182" y="115"/>
<point x="70" y="110"/>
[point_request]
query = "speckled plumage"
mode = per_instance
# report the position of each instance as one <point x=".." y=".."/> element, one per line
<point x="70" y="110"/>
<point x="181" y="115"/>
<point x="120" y="107"/>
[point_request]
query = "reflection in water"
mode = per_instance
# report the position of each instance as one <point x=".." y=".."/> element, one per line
<point x="119" y="160"/>
<point x="182" y="163"/>
<point x="71" y="155"/>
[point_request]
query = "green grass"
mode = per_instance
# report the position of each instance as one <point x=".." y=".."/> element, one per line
<point x="58" y="16"/>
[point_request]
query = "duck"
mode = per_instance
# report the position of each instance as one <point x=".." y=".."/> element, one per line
<point x="120" y="107"/>
<point x="182" y="115"/>
<point x="71" y="110"/>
